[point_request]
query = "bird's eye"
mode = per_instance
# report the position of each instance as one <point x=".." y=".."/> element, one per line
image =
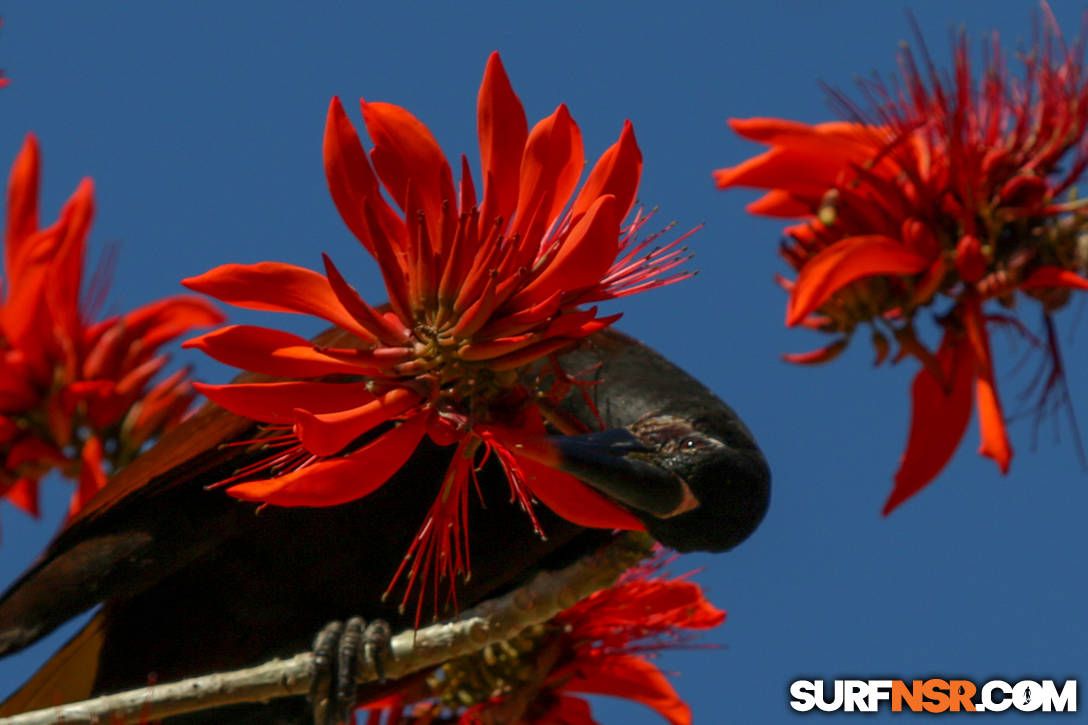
<point x="693" y="443"/>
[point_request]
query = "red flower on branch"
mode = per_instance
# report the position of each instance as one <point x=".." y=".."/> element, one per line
<point x="482" y="294"/>
<point x="76" y="395"/>
<point x="601" y="646"/>
<point x="948" y="197"/>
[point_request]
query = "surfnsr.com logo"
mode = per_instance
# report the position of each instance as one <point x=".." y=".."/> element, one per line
<point x="933" y="696"/>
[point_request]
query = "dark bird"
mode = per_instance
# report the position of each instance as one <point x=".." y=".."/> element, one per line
<point x="191" y="581"/>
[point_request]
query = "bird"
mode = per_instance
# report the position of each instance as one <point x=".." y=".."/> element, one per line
<point x="191" y="581"/>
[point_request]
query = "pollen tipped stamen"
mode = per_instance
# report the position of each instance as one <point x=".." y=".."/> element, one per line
<point x="293" y="459"/>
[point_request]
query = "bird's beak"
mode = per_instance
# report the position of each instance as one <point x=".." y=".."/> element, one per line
<point x="616" y="463"/>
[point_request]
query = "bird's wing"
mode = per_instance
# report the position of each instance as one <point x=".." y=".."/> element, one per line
<point x="68" y="676"/>
<point x="150" y="519"/>
<point x="153" y="518"/>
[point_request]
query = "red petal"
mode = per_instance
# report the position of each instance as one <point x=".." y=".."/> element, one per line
<point x="970" y="262"/>
<point x="34" y="451"/>
<point x="66" y="271"/>
<point x="8" y="430"/>
<point x="844" y="262"/>
<point x="806" y="160"/>
<point x="278" y="287"/>
<point x="404" y="149"/>
<point x="815" y="357"/>
<point x="562" y="493"/>
<point x="629" y="677"/>
<point x="161" y="321"/>
<point x="351" y="180"/>
<point x="271" y="352"/>
<point x="617" y="173"/>
<point x="576" y="502"/>
<point x="92" y="478"/>
<point x="357" y="307"/>
<point x="779" y="203"/>
<point x="17" y="393"/>
<point x="583" y="259"/>
<point x="566" y="711"/>
<point x="325" y="434"/>
<point x="644" y="603"/>
<point x="276" y="402"/>
<point x="842" y="140"/>
<point x="22" y="203"/>
<point x="938" y="421"/>
<point x="550" y="169"/>
<point x="502" y="129"/>
<point x="991" y="422"/>
<point x="24" y="495"/>
<point x="1051" y="276"/>
<point x="25" y="315"/>
<point x="918" y="236"/>
<point x="339" y="480"/>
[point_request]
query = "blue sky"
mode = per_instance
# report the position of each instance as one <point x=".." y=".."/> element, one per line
<point x="201" y="126"/>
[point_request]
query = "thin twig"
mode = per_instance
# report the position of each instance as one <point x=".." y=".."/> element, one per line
<point x="496" y="620"/>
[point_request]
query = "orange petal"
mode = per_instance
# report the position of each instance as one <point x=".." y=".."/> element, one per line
<point x="271" y="352"/>
<point x="938" y="421"/>
<point x="617" y="173"/>
<point x="581" y="261"/>
<point x="352" y="181"/>
<point x="339" y="480"/>
<point x="276" y="402"/>
<point x="22" y="211"/>
<point x="1051" y="276"/>
<point x="405" y="149"/>
<point x="325" y="434"/>
<point x="550" y="167"/>
<point x="278" y="287"/>
<point x="628" y="676"/>
<point x="502" y="128"/>
<point x="844" y="262"/>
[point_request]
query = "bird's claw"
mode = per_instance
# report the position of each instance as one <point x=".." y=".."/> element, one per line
<point x="340" y="651"/>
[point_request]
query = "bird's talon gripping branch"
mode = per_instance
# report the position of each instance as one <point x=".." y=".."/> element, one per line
<point x="341" y="652"/>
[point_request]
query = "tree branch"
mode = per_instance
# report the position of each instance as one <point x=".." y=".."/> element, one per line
<point x="496" y="620"/>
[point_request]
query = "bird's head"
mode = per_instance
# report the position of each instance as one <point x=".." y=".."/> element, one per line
<point x="698" y="482"/>
<point x="673" y="453"/>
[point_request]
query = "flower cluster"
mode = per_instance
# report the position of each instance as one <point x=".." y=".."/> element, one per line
<point x="599" y="646"/>
<point x="76" y="395"/>
<point x="952" y="195"/>
<point x="482" y="295"/>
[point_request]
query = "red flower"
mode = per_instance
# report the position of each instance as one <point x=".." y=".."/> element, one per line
<point x="950" y="200"/>
<point x="75" y="394"/>
<point x="479" y="291"/>
<point x="600" y="646"/>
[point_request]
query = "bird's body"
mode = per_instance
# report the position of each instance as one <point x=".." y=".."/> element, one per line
<point x="195" y="582"/>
